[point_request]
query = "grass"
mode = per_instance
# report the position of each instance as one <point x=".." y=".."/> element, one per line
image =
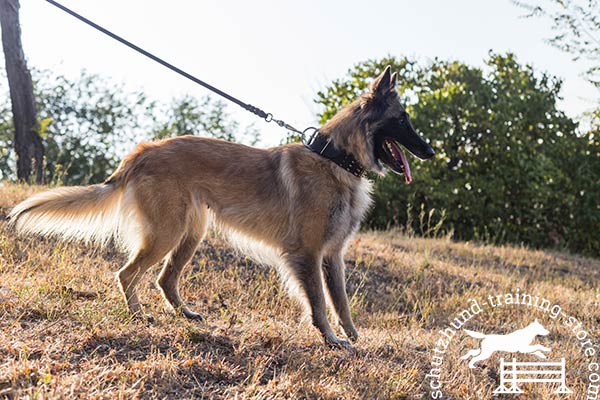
<point x="65" y="333"/>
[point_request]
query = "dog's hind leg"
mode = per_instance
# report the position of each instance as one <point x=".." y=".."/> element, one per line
<point x="169" y="277"/>
<point x="483" y="355"/>
<point x="161" y="222"/>
<point x="335" y="277"/>
<point x="307" y="270"/>
<point x="150" y="253"/>
<point x="471" y="353"/>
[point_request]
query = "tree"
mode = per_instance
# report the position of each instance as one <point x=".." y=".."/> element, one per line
<point x="206" y="117"/>
<point x="6" y="131"/>
<point x="509" y="165"/>
<point x="27" y="141"/>
<point x="577" y="27"/>
<point x="88" y="124"/>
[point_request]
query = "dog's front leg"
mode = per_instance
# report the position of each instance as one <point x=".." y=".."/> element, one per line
<point x="537" y="350"/>
<point x="307" y="269"/>
<point x="335" y="276"/>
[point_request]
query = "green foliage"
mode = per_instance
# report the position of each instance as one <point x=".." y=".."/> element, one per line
<point x="7" y="164"/>
<point x="343" y="91"/>
<point x="509" y="166"/>
<point x="88" y="124"/>
<point x="188" y="115"/>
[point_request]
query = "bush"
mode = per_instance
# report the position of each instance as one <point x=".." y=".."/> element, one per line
<point x="510" y="166"/>
<point x="88" y="124"/>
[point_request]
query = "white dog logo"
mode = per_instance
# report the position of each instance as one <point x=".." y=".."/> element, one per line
<point x="517" y="341"/>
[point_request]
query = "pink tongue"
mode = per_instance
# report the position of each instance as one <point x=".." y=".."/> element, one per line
<point x="399" y="154"/>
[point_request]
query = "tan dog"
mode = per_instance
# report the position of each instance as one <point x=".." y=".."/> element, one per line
<point x="293" y="201"/>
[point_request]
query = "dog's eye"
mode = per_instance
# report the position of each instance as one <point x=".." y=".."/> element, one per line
<point x="403" y="118"/>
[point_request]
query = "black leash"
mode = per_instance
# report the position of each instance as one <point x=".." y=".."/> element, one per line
<point x="317" y="143"/>
<point x="255" y="110"/>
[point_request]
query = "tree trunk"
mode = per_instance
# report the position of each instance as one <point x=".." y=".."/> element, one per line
<point x="28" y="143"/>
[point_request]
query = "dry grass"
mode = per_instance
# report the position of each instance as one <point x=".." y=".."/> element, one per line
<point x="64" y="331"/>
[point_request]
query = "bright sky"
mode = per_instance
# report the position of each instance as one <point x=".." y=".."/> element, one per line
<point x="277" y="54"/>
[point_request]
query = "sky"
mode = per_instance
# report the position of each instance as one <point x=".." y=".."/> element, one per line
<point x="277" y="54"/>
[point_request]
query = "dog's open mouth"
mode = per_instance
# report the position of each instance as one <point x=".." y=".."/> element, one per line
<point x="393" y="156"/>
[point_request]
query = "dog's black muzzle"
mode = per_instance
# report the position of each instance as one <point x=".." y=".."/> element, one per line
<point x="401" y="130"/>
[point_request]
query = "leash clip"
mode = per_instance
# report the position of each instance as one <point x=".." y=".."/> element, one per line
<point x="312" y="136"/>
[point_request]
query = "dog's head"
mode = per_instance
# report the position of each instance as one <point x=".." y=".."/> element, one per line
<point x="538" y="328"/>
<point x="375" y="127"/>
<point x="388" y="128"/>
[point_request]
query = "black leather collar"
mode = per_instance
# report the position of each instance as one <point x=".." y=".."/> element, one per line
<point x="323" y="146"/>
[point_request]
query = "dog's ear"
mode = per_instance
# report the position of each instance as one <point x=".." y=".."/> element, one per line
<point x="394" y="81"/>
<point x="383" y="83"/>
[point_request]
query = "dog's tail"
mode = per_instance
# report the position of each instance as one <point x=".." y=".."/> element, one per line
<point x="474" y="334"/>
<point x="88" y="213"/>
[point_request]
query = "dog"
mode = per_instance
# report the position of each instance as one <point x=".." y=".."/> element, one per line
<point x="300" y="204"/>
<point x="517" y="341"/>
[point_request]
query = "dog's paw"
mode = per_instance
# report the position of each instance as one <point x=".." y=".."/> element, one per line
<point x="352" y="334"/>
<point x="337" y="343"/>
<point x="189" y="314"/>
<point x="539" y="354"/>
<point x="143" y="317"/>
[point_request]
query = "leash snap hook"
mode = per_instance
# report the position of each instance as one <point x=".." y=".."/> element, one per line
<point x="311" y="137"/>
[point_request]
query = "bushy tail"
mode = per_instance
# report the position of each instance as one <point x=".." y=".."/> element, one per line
<point x="474" y="334"/>
<point x="88" y="213"/>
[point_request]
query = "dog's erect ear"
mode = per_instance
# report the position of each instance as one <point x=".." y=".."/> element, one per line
<point x="394" y="81"/>
<point x="382" y="84"/>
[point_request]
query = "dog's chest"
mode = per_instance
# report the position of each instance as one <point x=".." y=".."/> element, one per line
<point x="347" y="211"/>
<point x="361" y="199"/>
